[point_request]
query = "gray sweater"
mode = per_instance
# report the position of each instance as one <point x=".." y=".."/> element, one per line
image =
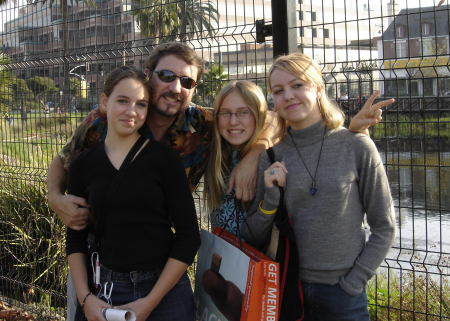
<point x="350" y="182"/>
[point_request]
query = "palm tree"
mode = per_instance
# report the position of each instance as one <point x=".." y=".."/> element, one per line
<point x="156" y="18"/>
<point x="166" y="20"/>
<point x="198" y="16"/>
<point x="213" y="80"/>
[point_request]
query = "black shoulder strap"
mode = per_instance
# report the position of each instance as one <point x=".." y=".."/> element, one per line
<point x="115" y="183"/>
<point x="271" y="155"/>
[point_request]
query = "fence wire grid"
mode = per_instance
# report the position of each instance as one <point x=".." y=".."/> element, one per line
<point x="56" y="54"/>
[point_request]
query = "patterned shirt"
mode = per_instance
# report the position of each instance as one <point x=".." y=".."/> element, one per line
<point x="229" y="214"/>
<point x="190" y="135"/>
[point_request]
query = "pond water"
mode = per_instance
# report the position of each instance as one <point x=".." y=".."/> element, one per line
<point x="418" y="170"/>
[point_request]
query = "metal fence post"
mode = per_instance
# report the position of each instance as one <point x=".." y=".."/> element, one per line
<point x="284" y="25"/>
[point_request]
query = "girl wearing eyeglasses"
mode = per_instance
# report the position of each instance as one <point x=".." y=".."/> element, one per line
<point x="239" y="115"/>
<point x="240" y="111"/>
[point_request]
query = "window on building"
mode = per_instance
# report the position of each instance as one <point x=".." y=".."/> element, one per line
<point x="428" y="48"/>
<point x="401" y="49"/>
<point x="415" y="87"/>
<point x="300" y="32"/>
<point x="311" y="32"/>
<point x="311" y="15"/>
<point x="326" y="33"/>
<point x="300" y="1"/>
<point x="428" y="86"/>
<point x="394" y="87"/>
<point x="300" y="15"/>
<point x="426" y="29"/>
<point x="400" y="31"/>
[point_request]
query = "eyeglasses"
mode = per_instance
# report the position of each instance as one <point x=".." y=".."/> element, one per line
<point x="169" y="76"/>
<point x="242" y="114"/>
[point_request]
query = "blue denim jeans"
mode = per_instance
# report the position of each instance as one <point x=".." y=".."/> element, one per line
<point x="178" y="304"/>
<point x="325" y="302"/>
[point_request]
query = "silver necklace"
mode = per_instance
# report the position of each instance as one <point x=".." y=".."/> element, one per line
<point x="313" y="188"/>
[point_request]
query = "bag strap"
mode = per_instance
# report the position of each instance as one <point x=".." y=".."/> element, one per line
<point x="115" y="183"/>
<point x="272" y="248"/>
<point x="281" y="206"/>
<point x="271" y="154"/>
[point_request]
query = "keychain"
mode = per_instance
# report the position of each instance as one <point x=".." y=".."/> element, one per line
<point x="95" y="262"/>
<point x="106" y="295"/>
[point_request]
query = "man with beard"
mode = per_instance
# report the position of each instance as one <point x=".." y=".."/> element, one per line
<point x="174" y="70"/>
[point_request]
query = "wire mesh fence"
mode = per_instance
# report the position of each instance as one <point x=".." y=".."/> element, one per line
<point x="55" y="55"/>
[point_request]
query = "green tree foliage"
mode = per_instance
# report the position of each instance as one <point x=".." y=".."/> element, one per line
<point x="197" y="16"/>
<point x="156" y="18"/>
<point x="20" y="88"/>
<point x="166" y="20"/>
<point x="6" y="82"/>
<point x="213" y="80"/>
<point x="75" y="87"/>
<point x="41" y="87"/>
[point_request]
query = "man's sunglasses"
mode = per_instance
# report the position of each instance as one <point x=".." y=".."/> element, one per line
<point x="168" y="76"/>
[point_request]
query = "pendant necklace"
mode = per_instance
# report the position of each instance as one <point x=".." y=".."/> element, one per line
<point x="313" y="188"/>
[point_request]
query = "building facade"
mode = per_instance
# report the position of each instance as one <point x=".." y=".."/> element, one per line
<point x="414" y="53"/>
<point x="97" y="34"/>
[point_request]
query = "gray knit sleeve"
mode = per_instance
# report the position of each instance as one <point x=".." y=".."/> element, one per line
<point x="258" y="228"/>
<point x="378" y="206"/>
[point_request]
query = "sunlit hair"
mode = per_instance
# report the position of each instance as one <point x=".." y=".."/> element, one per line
<point x="220" y="159"/>
<point x="125" y="72"/>
<point x="180" y="50"/>
<point x="306" y="69"/>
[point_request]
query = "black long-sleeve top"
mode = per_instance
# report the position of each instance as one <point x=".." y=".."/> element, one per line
<point x="152" y="197"/>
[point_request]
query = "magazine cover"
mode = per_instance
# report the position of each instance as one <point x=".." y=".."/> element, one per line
<point x="220" y="280"/>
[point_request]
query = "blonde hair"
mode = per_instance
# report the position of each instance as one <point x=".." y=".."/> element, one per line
<point x="220" y="159"/>
<point x="306" y="69"/>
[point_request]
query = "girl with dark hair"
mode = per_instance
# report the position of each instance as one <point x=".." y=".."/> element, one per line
<point x="146" y="230"/>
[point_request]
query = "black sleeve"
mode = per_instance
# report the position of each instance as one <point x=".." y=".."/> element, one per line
<point x="181" y="209"/>
<point x="76" y="240"/>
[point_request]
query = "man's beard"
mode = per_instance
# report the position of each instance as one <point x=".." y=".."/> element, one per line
<point x="166" y="113"/>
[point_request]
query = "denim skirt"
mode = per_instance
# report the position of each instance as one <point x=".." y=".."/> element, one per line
<point x="178" y="304"/>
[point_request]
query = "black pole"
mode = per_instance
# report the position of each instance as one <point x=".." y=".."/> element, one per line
<point x="284" y="32"/>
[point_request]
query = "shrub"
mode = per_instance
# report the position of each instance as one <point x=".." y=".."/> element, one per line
<point x="409" y="295"/>
<point x="32" y="256"/>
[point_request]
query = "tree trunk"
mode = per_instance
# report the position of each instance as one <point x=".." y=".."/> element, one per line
<point x="183" y="27"/>
<point x="122" y="32"/>
<point x="66" y="65"/>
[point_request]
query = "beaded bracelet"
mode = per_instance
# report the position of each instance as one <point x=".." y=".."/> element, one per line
<point x="267" y="212"/>
<point x="84" y="301"/>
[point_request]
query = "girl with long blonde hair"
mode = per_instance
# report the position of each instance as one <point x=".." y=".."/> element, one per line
<point x="240" y="112"/>
<point x="332" y="179"/>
